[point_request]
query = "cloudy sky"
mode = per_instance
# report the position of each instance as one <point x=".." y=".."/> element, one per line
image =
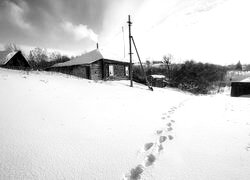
<point x="214" y="31"/>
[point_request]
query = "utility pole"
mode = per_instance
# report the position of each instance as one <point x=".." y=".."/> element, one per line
<point x="145" y="76"/>
<point x="130" y="53"/>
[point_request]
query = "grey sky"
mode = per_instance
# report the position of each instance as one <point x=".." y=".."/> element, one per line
<point x="197" y="29"/>
<point x="42" y="22"/>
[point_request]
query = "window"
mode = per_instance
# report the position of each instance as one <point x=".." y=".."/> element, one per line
<point x="126" y="71"/>
<point x="111" y="70"/>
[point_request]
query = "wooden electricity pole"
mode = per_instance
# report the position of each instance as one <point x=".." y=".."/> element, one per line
<point x="130" y="53"/>
<point x="131" y="39"/>
<point x="144" y="73"/>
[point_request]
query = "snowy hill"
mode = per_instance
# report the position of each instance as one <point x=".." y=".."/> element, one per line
<point x="54" y="126"/>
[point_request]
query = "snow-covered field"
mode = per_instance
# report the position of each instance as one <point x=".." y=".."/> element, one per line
<point x="54" y="126"/>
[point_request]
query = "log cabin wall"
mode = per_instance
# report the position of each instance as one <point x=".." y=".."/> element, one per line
<point x="119" y="70"/>
<point x="79" y="70"/>
<point x="96" y="70"/>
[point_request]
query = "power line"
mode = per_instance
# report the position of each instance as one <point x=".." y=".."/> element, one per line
<point x="110" y="40"/>
<point x="123" y="42"/>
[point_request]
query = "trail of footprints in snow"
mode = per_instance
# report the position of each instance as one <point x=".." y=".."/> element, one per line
<point x="152" y="149"/>
<point x="248" y="145"/>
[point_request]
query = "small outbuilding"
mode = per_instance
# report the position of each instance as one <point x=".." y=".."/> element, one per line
<point x="240" y="88"/>
<point x="13" y="60"/>
<point x="95" y="66"/>
<point x="158" y="80"/>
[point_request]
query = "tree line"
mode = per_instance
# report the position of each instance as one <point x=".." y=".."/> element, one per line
<point x="39" y="58"/>
<point x="195" y="77"/>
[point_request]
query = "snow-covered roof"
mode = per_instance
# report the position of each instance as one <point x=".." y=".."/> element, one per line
<point x="158" y="76"/>
<point x="158" y="65"/>
<point x="246" y="80"/>
<point x="5" y="56"/>
<point x="90" y="57"/>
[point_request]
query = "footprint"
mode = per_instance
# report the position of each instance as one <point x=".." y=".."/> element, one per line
<point x="147" y="146"/>
<point x="173" y="121"/>
<point x="248" y="147"/>
<point x="150" y="160"/>
<point x="160" y="148"/>
<point x="158" y="132"/>
<point x="162" y="139"/>
<point x="170" y="137"/>
<point x="170" y="129"/>
<point x="135" y="173"/>
<point x="169" y="124"/>
<point x="163" y="117"/>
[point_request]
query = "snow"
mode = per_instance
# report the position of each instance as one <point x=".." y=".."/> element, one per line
<point x="10" y="55"/>
<point x="158" y="76"/>
<point x="246" y="80"/>
<point x="211" y="141"/>
<point x="55" y="126"/>
<point x="5" y="56"/>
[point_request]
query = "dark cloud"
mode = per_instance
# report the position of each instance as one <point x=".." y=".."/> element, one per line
<point x="44" y="13"/>
<point x="86" y="12"/>
<point x="12" y="23"/>
<point x="35" y="11"/>
<point x="41" y="21"/>
<point x="62" y="24"/>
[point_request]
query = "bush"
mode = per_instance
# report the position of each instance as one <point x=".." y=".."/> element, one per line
<point x="40" y="59"/>
<point x="198" y="78"/>
<point x="138" y="75"/>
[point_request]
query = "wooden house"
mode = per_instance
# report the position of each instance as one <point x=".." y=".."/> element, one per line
<point x="13" y="60"/>
<point x="95" y="66"/>
<point x="240" y="88"/>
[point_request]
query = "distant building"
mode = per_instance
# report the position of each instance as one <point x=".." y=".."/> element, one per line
<point x="244" y="67"/>
<point x="94" y="65"/>
<point x="240" y="88"/>
<point x="158" y="80"/>
<point x="13" y="60"/>
<point x="157" y="62"/>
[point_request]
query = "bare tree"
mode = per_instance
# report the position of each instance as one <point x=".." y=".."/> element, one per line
<point x="167" y="60"/>
<point x="11" y="47"/>
<point x="38" y="55"/>
<point x="55" y="56"/>
<point x="40" y="58"/>
<point x="238" y="66"/>
<point x="148" y="64"/>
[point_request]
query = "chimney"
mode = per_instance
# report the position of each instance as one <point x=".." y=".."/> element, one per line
<point x="97" y="46"/>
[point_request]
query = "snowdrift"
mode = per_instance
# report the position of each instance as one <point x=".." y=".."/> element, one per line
<point x="55" y="126"/>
